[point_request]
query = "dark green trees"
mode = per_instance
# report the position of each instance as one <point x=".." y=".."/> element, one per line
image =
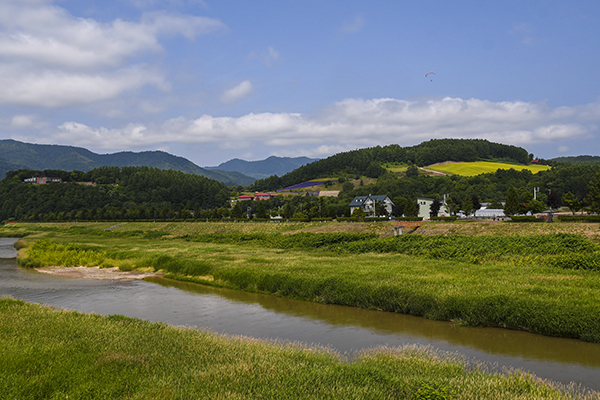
<point x="594" y="195"/>
<point x="512" y="205"/>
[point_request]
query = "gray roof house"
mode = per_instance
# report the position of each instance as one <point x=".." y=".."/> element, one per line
<point x="368" y="202"/>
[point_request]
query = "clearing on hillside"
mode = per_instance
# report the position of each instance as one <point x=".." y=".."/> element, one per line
<point x="481" y="167"/>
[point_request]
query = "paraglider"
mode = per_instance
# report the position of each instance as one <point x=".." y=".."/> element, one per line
<point x="430" y="73"/>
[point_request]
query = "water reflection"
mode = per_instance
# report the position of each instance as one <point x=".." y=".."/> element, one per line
<point x="491" y="340"/>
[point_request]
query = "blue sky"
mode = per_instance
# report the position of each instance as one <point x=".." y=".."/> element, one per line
<point x="216" y="80"/>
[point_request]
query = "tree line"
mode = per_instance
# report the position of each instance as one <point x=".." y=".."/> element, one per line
<point x="150" y="193"/>
<point x="127" y="192"/>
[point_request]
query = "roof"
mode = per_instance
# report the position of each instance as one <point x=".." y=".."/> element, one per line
<point x="358" y="201"/>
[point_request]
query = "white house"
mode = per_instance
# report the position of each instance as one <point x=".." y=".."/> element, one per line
<point x="425" y="208"/>
<point x="367" y="203"/>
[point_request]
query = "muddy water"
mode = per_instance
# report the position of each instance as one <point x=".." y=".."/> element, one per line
<point x="343" y="328"/>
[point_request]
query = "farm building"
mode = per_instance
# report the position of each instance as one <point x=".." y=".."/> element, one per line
<point x="367" y="203"/>
<point x="42" y="180"/>
<point x="490" y="213"/>
<point x="256" y="196"/>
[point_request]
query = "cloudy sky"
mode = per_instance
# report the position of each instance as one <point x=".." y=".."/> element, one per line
<point x="215" y="80"/>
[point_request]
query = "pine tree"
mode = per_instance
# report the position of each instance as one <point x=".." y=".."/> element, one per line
<point x="512" y="204"/>
<point x="594" y="195"/>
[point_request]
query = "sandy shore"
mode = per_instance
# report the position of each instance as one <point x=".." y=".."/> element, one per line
<point x="96" y="273"/>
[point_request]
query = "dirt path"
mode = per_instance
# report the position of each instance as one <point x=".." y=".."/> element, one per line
<point x="96" y="273"/>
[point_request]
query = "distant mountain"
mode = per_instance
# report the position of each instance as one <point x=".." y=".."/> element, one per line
<point x="264" y="168"/>
<point x="580" y="160"/>
<point x="18" y="155"/>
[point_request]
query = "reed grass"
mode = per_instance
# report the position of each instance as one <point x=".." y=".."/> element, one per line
<point x="48" y="353"/>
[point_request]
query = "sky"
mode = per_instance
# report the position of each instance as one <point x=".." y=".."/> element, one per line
<point x="214" y="80"/>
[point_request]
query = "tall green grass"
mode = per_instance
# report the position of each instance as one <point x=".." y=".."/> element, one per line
<point x="56" y="354"/>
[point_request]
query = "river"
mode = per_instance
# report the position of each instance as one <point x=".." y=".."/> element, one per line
<point x="345" y="329"/>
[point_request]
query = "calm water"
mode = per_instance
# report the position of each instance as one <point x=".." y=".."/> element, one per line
<point x="343" y="328"/>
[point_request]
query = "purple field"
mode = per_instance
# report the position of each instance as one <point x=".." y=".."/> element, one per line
<point x="303" y="185"/>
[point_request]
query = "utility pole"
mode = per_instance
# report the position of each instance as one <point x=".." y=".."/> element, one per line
<point x="535" y="191"/>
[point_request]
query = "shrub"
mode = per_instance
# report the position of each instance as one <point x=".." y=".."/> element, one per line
<point x="580" y="218"/>
<point x="526" y="218"/>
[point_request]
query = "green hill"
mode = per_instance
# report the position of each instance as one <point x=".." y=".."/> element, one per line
<point x="368" y="162"/>
<point x="118" y="192"/>
<point x="18" y="155"/>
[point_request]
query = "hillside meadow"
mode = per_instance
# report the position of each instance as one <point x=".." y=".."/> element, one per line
<point x="482" y="167"/>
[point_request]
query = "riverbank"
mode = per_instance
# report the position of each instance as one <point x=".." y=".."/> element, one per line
<point x="96" y="273"/>
<point x="544" y="287"/>
<point x="48" y="353"/>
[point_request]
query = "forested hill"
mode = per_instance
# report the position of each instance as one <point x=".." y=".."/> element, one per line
<point x="128" y="192"/>
<point x="15" y="155"/>
<point x="368" y="161"/>
<point x="578" y="160"/>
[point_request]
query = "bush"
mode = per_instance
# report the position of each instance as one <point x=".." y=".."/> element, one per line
<point x="580" y="218"/>
<point x="445" y="219"/>
<point x="586" y="261"/>
<point x="526" y="218"/>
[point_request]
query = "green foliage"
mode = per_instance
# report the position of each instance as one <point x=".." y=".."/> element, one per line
<point x="585" y="261"/>
<point x="46" y="252"/>
<point x="474" y="249"/>
<point x="581" y="218"/>
<point x="594" y="196"/>
<point x="128" y="193"/>
<point x="299" y="240"/>
<point x="526" y="218"/>
<point x="513" y="203"/>
<point x="445" y="219"/>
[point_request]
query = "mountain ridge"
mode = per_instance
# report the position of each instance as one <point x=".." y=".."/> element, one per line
<point x="21" y="155"/>
<point x="260" y="169"/>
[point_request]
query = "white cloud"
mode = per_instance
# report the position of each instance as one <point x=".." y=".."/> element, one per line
<point x="22" y="121"/>
<point x="51" y="36"/>
<point x="237" y="93"/>
<point x="50" y="58"/>
<point x="350" y="124"/>
<point x="52" y="88"/>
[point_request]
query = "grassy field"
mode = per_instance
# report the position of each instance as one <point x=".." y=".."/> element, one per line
<point x="545" y="284"/>
<point x="57" y="354"/>
<point x="482" y="167"/>
<point x="395" y="167"/>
